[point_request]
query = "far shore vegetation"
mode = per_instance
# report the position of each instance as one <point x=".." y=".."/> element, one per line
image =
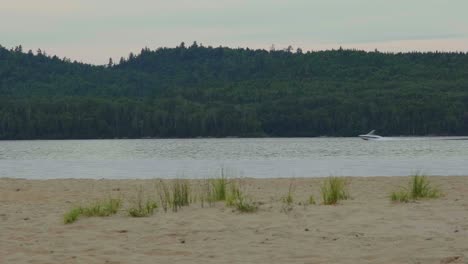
<point x="193" y="91"/>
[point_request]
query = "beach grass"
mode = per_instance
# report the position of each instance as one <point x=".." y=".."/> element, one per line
<point x="311" y="200"/>
<point x="180" y="194"/>
<point x="72" y="215"/>
<point x="419" y="188"/>
<point x="164" y="195"/>
<point x="142" y="207"/>
<point x="174" y="194"/>
<point x="333" y="190"/>
<point x="245" y="205"/>
<point x="401" y="196"/>
<point x="219" y="188"/>
<point x="237" y="199"/>
<point x="205" y="195"/>
<point x="233" y="193"/>
<point x="103" y="208"/>
<point x="422" y="188"/>
<point x="214" y="190"/>
<point x="288" y="199"/>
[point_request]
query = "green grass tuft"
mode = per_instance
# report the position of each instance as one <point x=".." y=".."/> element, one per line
<point x="214" y="190"/>
<point x="419" y="188"/>
<point x="103" y="208"/>
<point x="164" y="195"/>
<point x="142" y="208"/>
<point x="400" y="196"/>
<point x="233" y="194"/>
<point x="219" y="188"/>
<point x="333" y="190"/>
<point x="72" y="215"/>
<point x="237" y="199"/>
<point x="180" y="194"/>
<point x="174" y="195"/>
<point x="205" y="193"/>
<point x="288" y="199"/>
<point x="311" y="200"/>
<point x="245" y="205"/>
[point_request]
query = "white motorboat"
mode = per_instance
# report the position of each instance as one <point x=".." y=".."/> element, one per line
<point x="370" y="136"/>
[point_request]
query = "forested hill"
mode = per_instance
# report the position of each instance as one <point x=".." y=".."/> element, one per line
<point x="201" y="91"/>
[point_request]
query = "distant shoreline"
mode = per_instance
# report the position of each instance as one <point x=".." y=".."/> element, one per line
<point x="202" y="138"/>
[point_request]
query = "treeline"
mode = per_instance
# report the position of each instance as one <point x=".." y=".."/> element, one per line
<point x="201" y="91"/>
<point x="81" y="117"/>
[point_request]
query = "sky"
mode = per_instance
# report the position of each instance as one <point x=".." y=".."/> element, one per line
<point x="91" y="31"/>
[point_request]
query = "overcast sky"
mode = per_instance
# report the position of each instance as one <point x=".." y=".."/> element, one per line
<point x="94" y="30"/>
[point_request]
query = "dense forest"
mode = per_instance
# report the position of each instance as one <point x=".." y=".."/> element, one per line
<point x="197" y="91"/>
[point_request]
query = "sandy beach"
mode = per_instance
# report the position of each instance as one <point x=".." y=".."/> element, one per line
<point x="368" y="228"/>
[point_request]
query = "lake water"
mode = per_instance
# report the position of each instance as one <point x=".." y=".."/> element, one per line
<point x="260" y="158"/>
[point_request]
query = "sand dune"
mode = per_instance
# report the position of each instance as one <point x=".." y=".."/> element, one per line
<point x="365" y="229"/>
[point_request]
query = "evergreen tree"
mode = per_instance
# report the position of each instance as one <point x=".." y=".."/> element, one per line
<point x="218" y="92"/>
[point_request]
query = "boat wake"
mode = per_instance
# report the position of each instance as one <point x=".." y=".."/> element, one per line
<point x="371" y="136"/>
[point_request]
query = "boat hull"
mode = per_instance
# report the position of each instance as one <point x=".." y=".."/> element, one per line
<point x="369" y="137"/>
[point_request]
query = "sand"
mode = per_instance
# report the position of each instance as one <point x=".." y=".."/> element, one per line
<point x="365" y="229"/>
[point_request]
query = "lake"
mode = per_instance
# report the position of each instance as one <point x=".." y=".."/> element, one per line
<point x="255" y="157"/>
